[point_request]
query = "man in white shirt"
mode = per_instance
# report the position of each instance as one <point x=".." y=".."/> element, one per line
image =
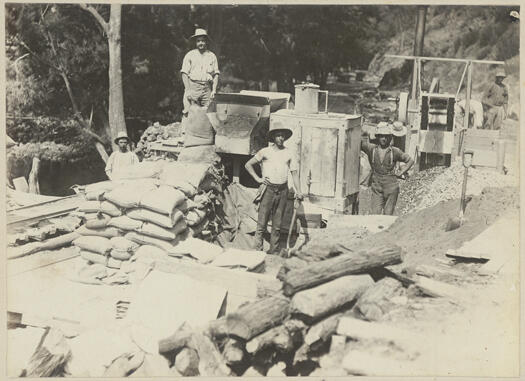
<point x="276" y="162"/>
<point x="200" y="73"/>
<point x="121" y="158"/>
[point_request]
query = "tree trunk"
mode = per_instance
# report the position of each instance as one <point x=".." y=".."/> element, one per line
<point x="116" y="97"/>
<point x="322" y="300"/>
<point x="346" y="264"/>
<point x="252" y="319"/>
<point x="34" y="187"/>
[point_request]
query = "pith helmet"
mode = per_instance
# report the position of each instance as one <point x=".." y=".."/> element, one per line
<point x="279" y="127"/>
<point x="121" y="135"/>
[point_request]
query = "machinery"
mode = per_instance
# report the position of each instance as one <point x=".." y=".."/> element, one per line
<point x="327" y="145"/>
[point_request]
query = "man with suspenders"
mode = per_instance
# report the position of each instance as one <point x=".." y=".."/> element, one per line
<point x="384" y="180"/>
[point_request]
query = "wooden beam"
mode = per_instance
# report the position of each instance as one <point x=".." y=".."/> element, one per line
<point x="486" y="62"/>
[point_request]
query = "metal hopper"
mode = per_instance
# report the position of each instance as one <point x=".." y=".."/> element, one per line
<point x="241" y="120"/>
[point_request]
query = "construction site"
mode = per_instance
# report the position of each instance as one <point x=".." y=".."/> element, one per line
<point x="154" y="272"/>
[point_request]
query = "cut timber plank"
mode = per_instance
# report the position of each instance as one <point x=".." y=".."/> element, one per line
<point x="435" y="288"/>
<point x="363" y="330"/>
<point x="252" y="319"/>
<point x="38" y="260"/>
<point x="237" y="282"/>
<point x="346" y="264"/>
<point x="321" y="300"/>
<point x="35" y="247"/>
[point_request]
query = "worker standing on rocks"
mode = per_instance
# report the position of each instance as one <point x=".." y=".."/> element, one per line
<point x="200" y="73"/>
<point x="121" y="158"/>
<point x="384" y="179"/>
<point x="276" y="162"/>
<point x="496" y="102"/>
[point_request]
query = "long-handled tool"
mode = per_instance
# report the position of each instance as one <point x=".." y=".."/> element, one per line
<point x="296" y="205"/>
<point x="456" y="222"/>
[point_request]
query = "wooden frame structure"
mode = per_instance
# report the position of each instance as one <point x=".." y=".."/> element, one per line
<point x="413" y="102"/>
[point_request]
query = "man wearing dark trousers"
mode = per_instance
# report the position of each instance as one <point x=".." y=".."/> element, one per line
<point x="384" y="179"/>
<point x="276" y="162"/>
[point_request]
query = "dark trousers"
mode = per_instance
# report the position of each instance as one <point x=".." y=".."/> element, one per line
<point x="273" y="202"/>
<point x="385" y="189"/>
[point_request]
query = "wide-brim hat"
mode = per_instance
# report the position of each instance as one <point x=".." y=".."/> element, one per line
<point x="383" y="128"/>
<point x="399" y="129"/>
<point x="279" y="127"/>
<point x="121" y="135"/>
<point x="199" y="32"/>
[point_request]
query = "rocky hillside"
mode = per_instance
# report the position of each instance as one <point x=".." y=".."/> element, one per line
<point x="485" y="33"/>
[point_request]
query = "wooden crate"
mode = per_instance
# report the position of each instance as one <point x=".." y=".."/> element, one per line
<point x="327" y="148"/>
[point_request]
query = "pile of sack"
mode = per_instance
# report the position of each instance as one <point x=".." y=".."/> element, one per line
<point x="172" y="132"/>
<point x="168" y="210"/>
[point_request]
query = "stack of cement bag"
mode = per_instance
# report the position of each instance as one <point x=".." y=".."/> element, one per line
<point x="167" y="213"/>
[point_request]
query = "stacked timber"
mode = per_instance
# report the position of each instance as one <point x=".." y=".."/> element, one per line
<point x="277" y="334"/>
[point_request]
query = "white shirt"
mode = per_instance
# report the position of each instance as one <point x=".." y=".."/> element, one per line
<point x="200" y="66"/>
<point x="276" y="163"/>
<point x="119" y="160"/>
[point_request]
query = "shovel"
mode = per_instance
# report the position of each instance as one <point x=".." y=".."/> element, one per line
<point x="287" y="252"/>
<point x="455" y="222"/>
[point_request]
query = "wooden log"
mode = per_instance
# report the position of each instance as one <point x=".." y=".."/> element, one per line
<point x="187" y="362"/>
<point x="346" y="264"/>
<point x="329" y="297"/>
<point x="177" y="341"/>
<point x="252" y="319"/>
<point x="376" y="301"/>
<point x="233" y="352"/>
<point x="282" y="338"/>
<point x="322" y="330"/>
<point x="51" y="355"/>
<point x="50" y="244"/>
<point x="211" y="362"/>
<point x="240" y="283"/>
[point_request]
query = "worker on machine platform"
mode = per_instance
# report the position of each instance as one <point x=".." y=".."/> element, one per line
<point x="121" y="158"/>
<point x="276" y="162"/>
<point x="384" y="179"/>
<point x="496" y="103"/>
<point x="200" y="73"/>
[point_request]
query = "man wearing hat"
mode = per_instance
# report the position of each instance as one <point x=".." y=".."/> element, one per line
<point x="383" y="159"/>
<point x="121" y="158"/>
<point x="276" y="162"/>
<point x="496" y="102"/>
<point x="200" y="73"/>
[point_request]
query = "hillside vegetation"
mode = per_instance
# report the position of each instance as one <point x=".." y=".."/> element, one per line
<point x="483" y="33"/>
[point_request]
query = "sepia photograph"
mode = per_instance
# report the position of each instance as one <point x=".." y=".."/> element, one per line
<point x="262" y="190"/>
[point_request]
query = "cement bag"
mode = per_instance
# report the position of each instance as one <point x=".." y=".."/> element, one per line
<point x="96" y="195"/>
<point x="177" y="172"/>
<point x="129" y="195"/>
<point x="114" y="263"/>
<point x="102" y="185"/>
<point x="164" y="199"/>
<point x="156" y="231"/>
<point x="89" y="207"/>
<point x="149" y="252"/>
<point x="110" y="208"/>
<point x="93" y="257"/>
<point x="201" y="250"/>
<point x="143" y="170"/>
<point x="199" y="154"/>
<point x="123" y="244"/>
<point x="125" y="223"/>
<point x="195" y="217"/>
<point x="197" y="127"/>
<point x="121" y="255"/>
<point x="107" y="232"/>
<point x="143" y="239"/>
<point x="157" y="218"/>
<point x="100" y="245"/>
<point x="99" y="221"/>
